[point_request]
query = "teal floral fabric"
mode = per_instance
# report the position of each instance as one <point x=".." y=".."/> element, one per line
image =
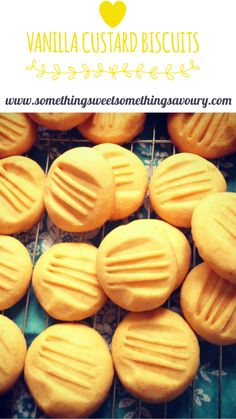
<point x="212" y="394"/>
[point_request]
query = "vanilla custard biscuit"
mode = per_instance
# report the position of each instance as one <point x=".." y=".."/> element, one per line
<point x="69" y="371"/>
<point x="12" y="353"/>
<point x="22" y="184"/>
<point x="17" y="134"/>
<point x="15" y="271"/>
<point x="79" y="193"/>
<point x="117" y="128"/>
<point x="179" y="183"/>
<point x="209" y="135"/>
<point x="214" y="233"/>
<point x="156" y="355"/>
<point x="137" y="266"/>
<point x="179" y="243"/>
<point x="209" y="305"/>
<point x="65" y="281"/>
<point x="130" y="178"/>
<point x="59" y="121"/>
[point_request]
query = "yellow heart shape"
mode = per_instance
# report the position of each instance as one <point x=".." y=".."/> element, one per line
<point x="112" y="14"/>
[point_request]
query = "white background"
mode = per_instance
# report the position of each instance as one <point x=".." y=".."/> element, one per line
<point x="214" y="20"/>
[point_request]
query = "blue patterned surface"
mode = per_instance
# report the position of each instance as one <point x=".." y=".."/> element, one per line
<point x="213" y="391"/>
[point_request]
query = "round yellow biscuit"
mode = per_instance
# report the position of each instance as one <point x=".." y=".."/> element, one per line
<point x="17" y="134"/>
<point x="179" y="183"/>
<point x="130" y="178"/>
<point x="179" y="243"/>
<point x="59" y="121"/>
<point x="117" y="128"/>
<point x="137" y="266"/>
<point x="156" y="355"/>
<point x="12" y="353"/>
<point x="69" y="370"/>
<point x="214" y="233"/>
<point x="65" y="281"/>
<point x="209" y="305"/>
<point x="79" y="193"/>
<point x="22" y="184"/>
<point x="209" y="135"/>
<point x="15" y="271"/>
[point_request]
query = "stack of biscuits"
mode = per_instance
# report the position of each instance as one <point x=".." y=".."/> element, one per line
<point x="138" y="265"/>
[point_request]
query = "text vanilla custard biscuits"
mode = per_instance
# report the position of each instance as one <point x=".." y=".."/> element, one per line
<point x="79" y="193"/>
<point x="209" y="135"/>
<point x="214" y="233"/>
<point x="59" y="121"/>
<point x="137" y="265"/>
<point x="130" y="177"/>
<point x="116" y="128"/>
<point x="69" y="370"/>
<point x="17" y="134"/>
<point x="12" y="353"/>
<point x="209" y="305"/>
<point x="22" y="184"/>
<point x="156" y="355"/>
<point x="15" y="271"/>
<point x="179" y="183"/>
<point x="65" y="281"/>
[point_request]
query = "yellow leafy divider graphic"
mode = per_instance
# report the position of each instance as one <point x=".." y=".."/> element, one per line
<point x="114" y="71"/>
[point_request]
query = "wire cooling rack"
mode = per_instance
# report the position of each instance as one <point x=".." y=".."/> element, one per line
<point x="208" y="396"/>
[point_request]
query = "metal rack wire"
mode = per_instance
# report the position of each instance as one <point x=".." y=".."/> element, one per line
<point x="152" y="143"/>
